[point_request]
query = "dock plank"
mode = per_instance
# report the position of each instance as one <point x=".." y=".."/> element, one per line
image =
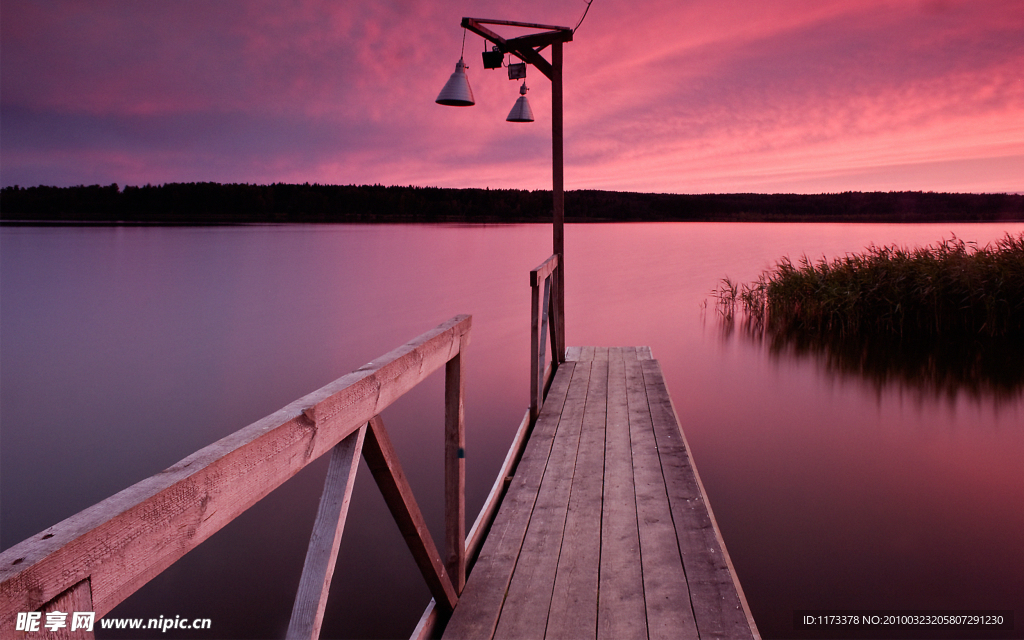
<point x="664" y="579"/>
<point x="574" y="599"/>
<point x="525" y="612"/>
<point x="621" y="613"/>
<point x="717" y="605"/>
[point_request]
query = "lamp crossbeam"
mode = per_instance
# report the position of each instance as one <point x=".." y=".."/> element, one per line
<point x="527" y="47"/>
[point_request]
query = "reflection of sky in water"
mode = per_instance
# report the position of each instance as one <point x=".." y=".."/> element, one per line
<point x="125" y="349"/>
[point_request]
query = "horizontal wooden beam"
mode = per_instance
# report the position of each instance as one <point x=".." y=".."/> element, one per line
<point x="536" y="40"/>
<point x="525" y="47"/>
<point x="124" y="541"/>
<point x="525" y="25"/>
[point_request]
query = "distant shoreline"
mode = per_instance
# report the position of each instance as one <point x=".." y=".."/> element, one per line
<point x="213" y="204"/>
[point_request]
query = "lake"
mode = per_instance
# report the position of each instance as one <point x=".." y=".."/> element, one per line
<point x="124" y="349"/>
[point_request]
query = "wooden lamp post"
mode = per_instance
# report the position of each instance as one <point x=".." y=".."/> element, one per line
<point x="527" y="48"/>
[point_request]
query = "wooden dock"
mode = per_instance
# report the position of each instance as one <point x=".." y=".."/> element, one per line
<point x="605" y="531"/>
<point x="597" y="525"/>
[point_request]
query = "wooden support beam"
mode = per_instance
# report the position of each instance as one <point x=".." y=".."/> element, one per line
<point x="455" y="471"/>
<point x="558" y="195"/>
<point x="315" y="583"/>
<point x="543" y="270"/>
<point x="380" y="457"/>
<point x="483" y="521"/>
<point x="428" y="624"/>
<point x="557" y="349"/>
<point x="525" y="47"/>
<point x="543" y="321"/>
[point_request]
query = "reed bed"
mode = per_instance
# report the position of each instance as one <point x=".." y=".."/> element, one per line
<point x="951" y="289"/>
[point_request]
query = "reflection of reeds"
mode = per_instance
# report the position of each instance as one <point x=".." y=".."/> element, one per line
<point x="946" y="317"/>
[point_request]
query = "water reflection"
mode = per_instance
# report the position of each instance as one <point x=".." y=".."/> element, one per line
<point x="984" y="369"/>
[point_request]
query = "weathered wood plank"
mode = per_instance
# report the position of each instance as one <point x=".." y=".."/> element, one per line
<point x="557" y="349"/>
<point x="621" y="353"/>
<point x="539" y="307"/>
<point x="482" y="524"/>
<point x="573" y="612"/>
<point x="621" y="613"/>
<point x="430" y="620"/>
<point x="543" y="270"/>
<point x="644" y="353"/>
<point x="586" y="353"/>
<point x="322" y="553"/>
<point x="76" y="599"/>
<point x="480" y="605"/>
<point x="718" y="605"/>
<point x="124" y="541"/>
<point x="387" y="471"/>
<point x="455" y="470"/>
<point x="573" y="353"/>
<point x="664" y="580"/>
<point x="525" y="612"/>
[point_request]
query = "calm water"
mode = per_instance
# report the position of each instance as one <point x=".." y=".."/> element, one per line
<point x="122" y="350"/>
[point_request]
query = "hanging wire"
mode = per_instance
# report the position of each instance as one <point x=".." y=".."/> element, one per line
<point x="583" y="16"/>
<point x="463" y="54"/>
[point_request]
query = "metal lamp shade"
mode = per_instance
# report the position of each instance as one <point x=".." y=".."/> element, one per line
<point x="456" y="92"/>
<point x="521" y="111"/>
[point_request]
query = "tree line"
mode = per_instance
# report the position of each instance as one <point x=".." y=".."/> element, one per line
<point x="214" y="203"/>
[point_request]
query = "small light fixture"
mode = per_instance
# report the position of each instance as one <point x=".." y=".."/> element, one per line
<point x="517" y="71"/>
<point x="521" y="111"/>
<point x="493" y="58"/>
<point x="456" y="92"/>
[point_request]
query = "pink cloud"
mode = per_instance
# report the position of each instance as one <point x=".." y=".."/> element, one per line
<point x="660" y="96"/>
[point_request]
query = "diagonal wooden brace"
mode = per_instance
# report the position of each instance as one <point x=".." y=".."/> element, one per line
<point x="311" y="599"/>
<point x="380" y="457"/>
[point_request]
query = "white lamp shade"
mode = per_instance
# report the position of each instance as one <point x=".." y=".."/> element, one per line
<point x="521" y="111"/>
<point x="456" y="92"/>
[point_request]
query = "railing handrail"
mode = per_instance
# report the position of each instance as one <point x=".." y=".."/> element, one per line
<point x="545" y="269"/>
<point x="112" y="548"/>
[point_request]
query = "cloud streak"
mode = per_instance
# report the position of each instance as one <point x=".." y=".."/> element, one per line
<point x="708" y="95"/>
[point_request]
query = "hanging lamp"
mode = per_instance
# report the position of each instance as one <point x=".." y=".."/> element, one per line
<point x="456" y="92"/>
<point x="521" y="111"/>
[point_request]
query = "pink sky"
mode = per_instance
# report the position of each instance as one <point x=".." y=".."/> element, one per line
<point x="660" y="95"/>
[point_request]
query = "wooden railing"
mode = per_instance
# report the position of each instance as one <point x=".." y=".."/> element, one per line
<point x="544" y="321"/>
<point x="95" y="559"/>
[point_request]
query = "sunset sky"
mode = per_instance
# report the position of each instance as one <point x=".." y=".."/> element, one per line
<point x="678" y="96"/>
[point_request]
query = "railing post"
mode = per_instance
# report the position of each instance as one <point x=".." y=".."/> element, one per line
<point x="455" y="471"/>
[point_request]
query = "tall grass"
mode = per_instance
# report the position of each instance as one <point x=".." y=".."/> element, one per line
<point x="953" y="288"/>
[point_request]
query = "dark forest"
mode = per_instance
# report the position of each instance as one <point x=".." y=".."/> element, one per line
<point x="213" y="203"/>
